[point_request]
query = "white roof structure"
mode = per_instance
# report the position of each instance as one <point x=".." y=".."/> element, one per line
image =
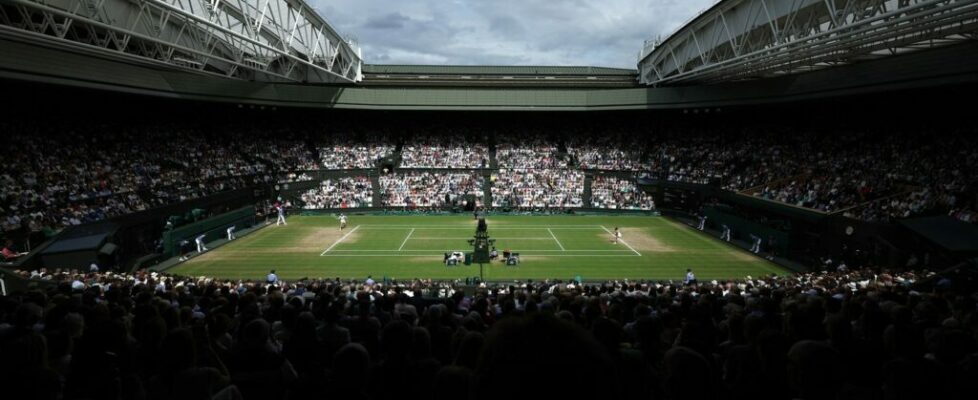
<point x="256" y="40"/>
<point x="749" y="39"/>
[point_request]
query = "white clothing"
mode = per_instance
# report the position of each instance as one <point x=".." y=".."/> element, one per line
<point x="200" y="244"/>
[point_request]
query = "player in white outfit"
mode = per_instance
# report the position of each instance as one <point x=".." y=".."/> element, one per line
<point x="231" y="233"/>
<point x="342" y="221"/>
<point x="200" y="243"/>
<point x="281" y="215"/>
<point x="616" y="235"/>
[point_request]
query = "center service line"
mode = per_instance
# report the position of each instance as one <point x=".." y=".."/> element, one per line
<point x="555" y="239"/>
<point x="406" y="239"/>
<point x="340" y="240"/>
<point x="622" y="241"/>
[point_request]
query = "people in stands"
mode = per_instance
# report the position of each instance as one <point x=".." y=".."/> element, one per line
<point x="429" y="189"/>
<point x="804" y="335"/>
<point x="9" y="254"/>
<point x="137" y="168"/>
<point x="344" y="192"/>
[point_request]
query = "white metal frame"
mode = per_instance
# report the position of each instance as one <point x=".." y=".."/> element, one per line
<point x="260" y="40"/>
<point x="748" y="39"/>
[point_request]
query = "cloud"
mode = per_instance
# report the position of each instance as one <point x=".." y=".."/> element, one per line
<point x="389" y="21"/>
<point x="506" y="32"/>
<point x="506" y="26"/>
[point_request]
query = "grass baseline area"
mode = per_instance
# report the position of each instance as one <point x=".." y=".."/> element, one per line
<point x="408" y="247"/>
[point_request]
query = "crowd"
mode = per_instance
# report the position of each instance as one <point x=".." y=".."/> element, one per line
<point x="444" y="152"/>
<point x="868" y="174"/>
<point x="857" y="334"/>
<point x="63" y="174"/>
<point x="345" y="192"/>
<point x="609" y="153"/>
<point x="66" y="175"/>
<point x="282" y="150"/>
<point x="538" y="188"/>
<point x="346" y="152"/>
<point x="705" y="156"/>
<point x="429" y="189"/>
<point x="619" y="194"/>
<point x="289" y="177"/>
<point x="528" y="151"/>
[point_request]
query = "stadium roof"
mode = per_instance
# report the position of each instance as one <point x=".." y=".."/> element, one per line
<point x="72" y="47"/>
<point x="28" y="59"/>
<point x="251" y="40"/>
<point x="495" y="70"/>
<point x="751" y="39"/>
<point x="498" y="76"/>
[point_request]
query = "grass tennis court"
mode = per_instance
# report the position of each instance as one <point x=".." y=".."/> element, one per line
<point x="405" y="247"/>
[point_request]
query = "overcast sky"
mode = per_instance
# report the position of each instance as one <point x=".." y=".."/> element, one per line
<point x="605" y="33"/>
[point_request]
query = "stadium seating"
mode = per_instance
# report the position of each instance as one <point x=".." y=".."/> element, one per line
<point x="868" y="328"/>
<point x="92" y="174"/>
<point x="619" y="194"/>
<point x="346" y="192"/>
<point x="428" y="189"/>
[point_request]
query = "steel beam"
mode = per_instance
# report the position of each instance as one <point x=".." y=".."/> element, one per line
<point x="750" y="39"/>
<point x="257" y="40"/>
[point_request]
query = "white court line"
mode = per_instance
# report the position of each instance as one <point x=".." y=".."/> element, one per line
<point x="394" y="252"/>
<point x="473" y="226"/>
<point x="468" y="238"/>
<point x="462" y="228"/>
<point x="406" y="239"/>
<point x="555" y="239"/>
<point x="340" y="240"/>
<point x="525" y="255"/>
<point x="621" y="240"/>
